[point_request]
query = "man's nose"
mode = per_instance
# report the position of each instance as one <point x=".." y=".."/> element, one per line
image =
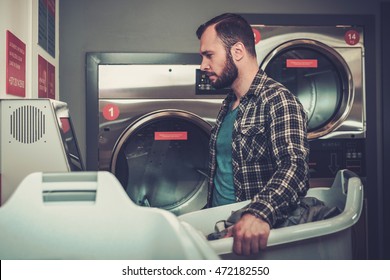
<point x="204" y="66"/>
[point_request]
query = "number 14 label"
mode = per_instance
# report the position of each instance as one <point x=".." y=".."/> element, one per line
<point x="352" y="37"/>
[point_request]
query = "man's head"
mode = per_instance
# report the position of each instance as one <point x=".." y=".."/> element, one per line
<point x="231" y="28"/>
<point x="223" y="40"/>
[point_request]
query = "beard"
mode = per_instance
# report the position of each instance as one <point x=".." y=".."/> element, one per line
<point x="228" y="76"/>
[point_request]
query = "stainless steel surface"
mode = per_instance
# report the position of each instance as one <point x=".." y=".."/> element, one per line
<point x="148" y="81"/>
<point x="132" y="109"/>
<point x="335" y="98"/>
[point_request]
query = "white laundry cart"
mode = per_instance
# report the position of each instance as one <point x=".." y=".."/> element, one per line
<point x="325" y="239"/>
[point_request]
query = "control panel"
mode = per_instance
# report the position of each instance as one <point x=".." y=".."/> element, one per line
<point x="204" y="87"/>
<point x="327" y="156"/>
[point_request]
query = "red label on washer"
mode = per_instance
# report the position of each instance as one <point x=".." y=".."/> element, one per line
<point x="352" y="37"/>
<point x="111" y="112"/>
<point x="170" y="135"/>
<point x="257" y="35"/>
<point x="301" y="63"/>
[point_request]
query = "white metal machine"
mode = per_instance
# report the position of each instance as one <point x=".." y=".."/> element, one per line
<point x="88" y="215"/>
<point x="35" y="135"/>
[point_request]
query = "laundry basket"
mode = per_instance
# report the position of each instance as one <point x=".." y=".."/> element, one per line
<point x="88" y="215"/>
<point x="325" y="239"/>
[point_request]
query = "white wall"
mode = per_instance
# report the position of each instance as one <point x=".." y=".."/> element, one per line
<point x="15" y="16"/>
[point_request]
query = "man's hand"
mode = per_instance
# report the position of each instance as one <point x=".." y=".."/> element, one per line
<point x="250" y="235"/>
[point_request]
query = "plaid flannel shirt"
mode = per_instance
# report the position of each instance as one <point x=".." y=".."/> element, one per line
<point x="269" y="150"/>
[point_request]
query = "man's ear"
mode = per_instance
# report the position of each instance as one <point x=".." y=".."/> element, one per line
<point x="238" y="51"/>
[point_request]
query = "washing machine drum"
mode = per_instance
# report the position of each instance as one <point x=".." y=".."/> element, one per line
<point x="319" y="77"/>
<point x="161" y="160"/>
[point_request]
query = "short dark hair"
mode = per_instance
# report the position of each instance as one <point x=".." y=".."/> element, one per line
<point x="231" y="28"/>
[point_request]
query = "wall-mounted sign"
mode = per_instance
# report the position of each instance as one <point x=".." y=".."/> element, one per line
<point x="51" y="81"/>
<point x="46" y="79"/>
<point x="47" y="26"/>
<point x="42" y="77"/>
<point x="15" y="66"/>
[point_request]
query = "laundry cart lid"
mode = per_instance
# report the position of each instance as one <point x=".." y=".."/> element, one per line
<point x="88" y="215"/>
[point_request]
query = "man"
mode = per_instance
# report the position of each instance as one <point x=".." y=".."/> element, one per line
<point x="258" y="148"/>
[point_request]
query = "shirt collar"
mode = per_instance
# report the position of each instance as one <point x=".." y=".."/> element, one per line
<point x="254" y="89"/>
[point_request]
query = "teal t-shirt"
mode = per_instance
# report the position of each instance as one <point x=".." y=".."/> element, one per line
<point x="224" y="192"/>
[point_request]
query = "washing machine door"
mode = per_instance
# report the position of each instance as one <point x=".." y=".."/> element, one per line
<point x="161" y="160"/>
<point x="319" y="77"/>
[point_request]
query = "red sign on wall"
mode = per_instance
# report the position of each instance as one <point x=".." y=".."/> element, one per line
<point x="42" y="77"/>
<point x="51" y="81"/>
<point x="15" y="66"/>
<point x="46" y="79"/>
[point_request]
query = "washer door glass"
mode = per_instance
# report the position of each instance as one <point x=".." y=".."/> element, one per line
<point x="319" y="80"/>
<point x="163" y="161"/>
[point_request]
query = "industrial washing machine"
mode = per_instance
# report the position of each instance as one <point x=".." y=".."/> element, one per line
<point x="154" y="127"/>
<point x="324" y="67"/>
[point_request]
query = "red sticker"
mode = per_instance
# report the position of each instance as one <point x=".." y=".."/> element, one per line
<point x="352" y="37"/>
<point x="65" y="125"/>
<point x="301" y="63"/>
<point x="110" y="112"/>
<point x="170" y="135"/>
<point x="257" y="35"/>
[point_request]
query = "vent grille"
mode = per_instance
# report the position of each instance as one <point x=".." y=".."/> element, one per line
<point x="27" y="124"/>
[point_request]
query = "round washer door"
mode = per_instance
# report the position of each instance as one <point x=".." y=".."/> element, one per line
<point x="161" y="160"/>
<point x="319" y="77"/>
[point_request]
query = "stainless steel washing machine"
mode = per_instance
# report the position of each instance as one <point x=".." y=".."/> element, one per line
<point x="324" y="67"/>
<point x="154" y="131"/>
